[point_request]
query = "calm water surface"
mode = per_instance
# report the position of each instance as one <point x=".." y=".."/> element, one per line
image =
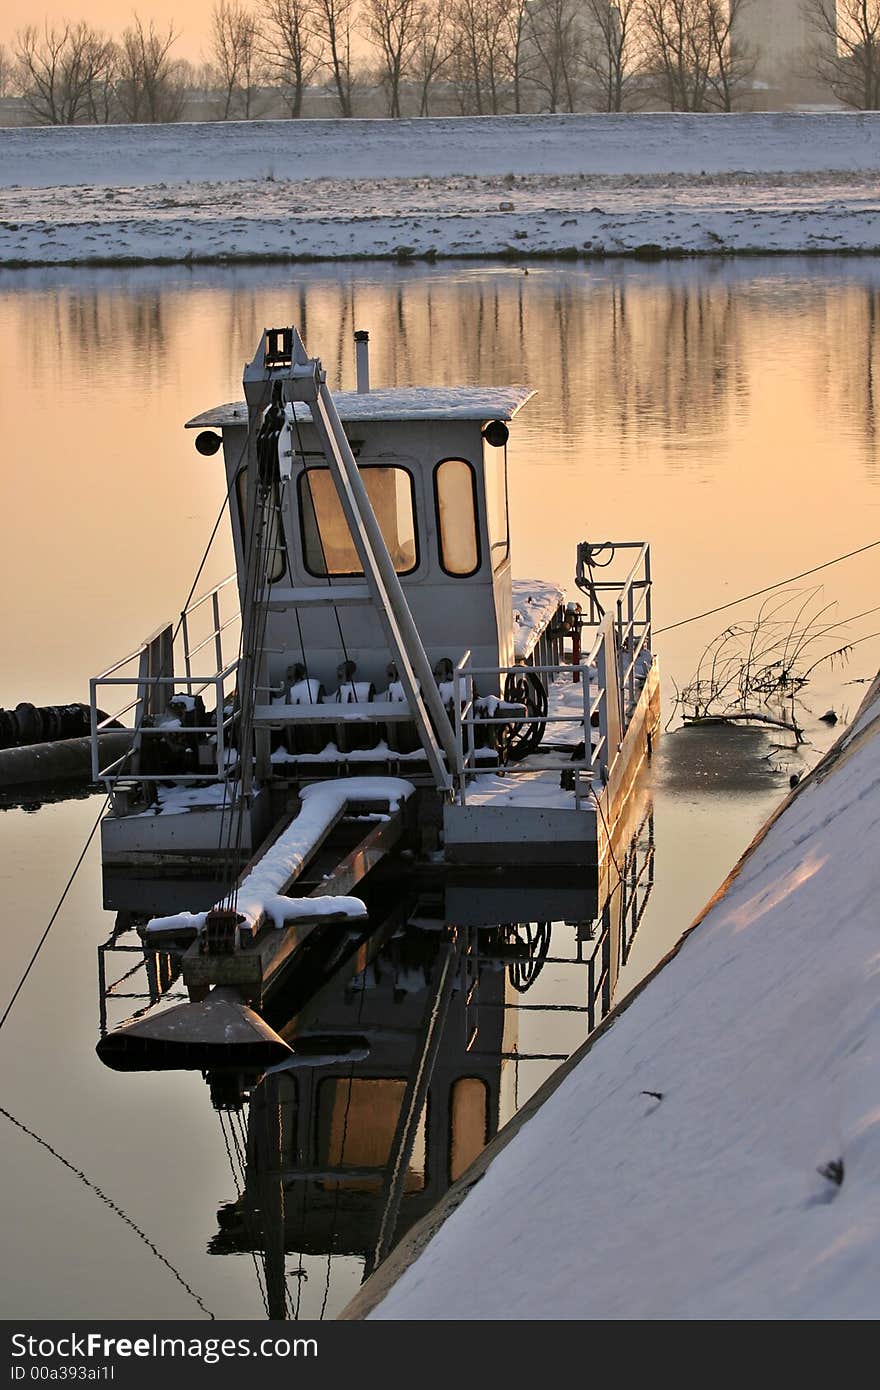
<point x="725" y="411"/>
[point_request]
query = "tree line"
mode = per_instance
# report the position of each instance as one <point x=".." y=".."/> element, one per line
<point x="469" y="57"/>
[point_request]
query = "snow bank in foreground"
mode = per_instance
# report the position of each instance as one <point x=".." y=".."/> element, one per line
<point x="500" y="186"/>
<point x="687" y="1167"/>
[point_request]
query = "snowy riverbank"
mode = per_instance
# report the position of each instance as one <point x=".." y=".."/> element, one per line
<point x="714" y="1153"/>
<point x="515" y="187"/>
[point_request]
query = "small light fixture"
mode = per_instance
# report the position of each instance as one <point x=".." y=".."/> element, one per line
<point x="207" y="442"/>
<point x="496" y="433"/>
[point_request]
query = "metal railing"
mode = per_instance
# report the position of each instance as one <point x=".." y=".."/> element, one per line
<point x="219" y="624"/>
<point x="631" y="598"/>
<point x="610" y="675"/>
<point x="156" y="970"/>
<point x="470" y="722"/>
<point x="149" y="673"/>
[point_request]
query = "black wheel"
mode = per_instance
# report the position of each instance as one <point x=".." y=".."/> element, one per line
<point x="535" y="937"/>
<point x="524" y="687"/>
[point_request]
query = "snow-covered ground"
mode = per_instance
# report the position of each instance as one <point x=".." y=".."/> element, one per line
<point x="513" y="186"/>
<point x="715" y="1153"/>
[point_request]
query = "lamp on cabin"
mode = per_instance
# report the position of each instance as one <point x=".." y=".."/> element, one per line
<point x="496" y="433"/>
<point x="207" y="442"/>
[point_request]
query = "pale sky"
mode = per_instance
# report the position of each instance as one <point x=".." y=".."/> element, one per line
<point x="192" y="19"/>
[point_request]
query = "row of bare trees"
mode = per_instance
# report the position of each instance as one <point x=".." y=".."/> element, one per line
<point x="73" y="74"/>
<point x="480" y="56"/>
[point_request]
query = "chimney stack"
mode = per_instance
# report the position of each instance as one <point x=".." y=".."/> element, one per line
<point x="362" y="358"/>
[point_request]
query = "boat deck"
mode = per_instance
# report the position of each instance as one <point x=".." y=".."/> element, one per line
<point x="532" y="812"/>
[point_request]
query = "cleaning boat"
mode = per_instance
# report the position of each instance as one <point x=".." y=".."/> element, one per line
<point x="372" y="684"/>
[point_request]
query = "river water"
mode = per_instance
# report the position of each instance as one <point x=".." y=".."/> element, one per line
<point x="725" y="411"/>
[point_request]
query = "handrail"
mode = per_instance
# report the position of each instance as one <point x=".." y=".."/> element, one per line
<point x="631" y="627"/>
<point x="218" y="727"/>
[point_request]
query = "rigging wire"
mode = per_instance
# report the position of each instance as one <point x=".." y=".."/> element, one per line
<point x="683" y="622"/>
<point x="67" y="887"/>
<point x="253" y="641"/>
<point x="106" y="801"/>
<point x="108" y="1201"/>
<point x="227" y="840"/>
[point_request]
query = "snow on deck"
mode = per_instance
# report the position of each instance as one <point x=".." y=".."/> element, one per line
<point x="260" y="892"/>
<point x="412" y="403"/>
<point x="526" y="783"/>
<point x="517" y="186"/>
<point x="687" y="1166"/>
<point x="534" y="604"/>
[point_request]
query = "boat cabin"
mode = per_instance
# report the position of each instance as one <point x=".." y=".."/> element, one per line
<point x="434" y="464"/>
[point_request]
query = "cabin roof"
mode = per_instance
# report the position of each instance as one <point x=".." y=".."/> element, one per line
<point x="398" y="403"/>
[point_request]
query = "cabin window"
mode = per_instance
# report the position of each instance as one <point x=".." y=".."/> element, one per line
<point x="357" y="1120"/>
<point x="330" y="549"/>
<point x="468" y="1123"/>
<point x="495" y="473"/>
<point x="276" y="565"/>
<point x="455" y="497"/>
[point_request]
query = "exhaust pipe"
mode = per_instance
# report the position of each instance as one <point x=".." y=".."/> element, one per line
<point x="362" y="360"/>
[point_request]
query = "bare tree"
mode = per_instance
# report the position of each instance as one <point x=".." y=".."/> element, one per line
<point x="467" y="56"/>
<point x="150" y="87"/>
<point x="612" y="51"/>
<point x="732" y="64"/>
<point x="845" y="49"/>
<point x="516" y="27"/>
<point x="7" y="71"/>
<point x="678" y="48"/>
<point x="691" y="53"/>
<point x="292" y="49"/>
<point x="392" y="26"/>
<point x="557" y="37"/>
<point x="432" y="54"/>
<point x="335" y="25"/>
<point x="61" y="68"/>
<point x="236" y="47"/>
<point x="481" y="54"/>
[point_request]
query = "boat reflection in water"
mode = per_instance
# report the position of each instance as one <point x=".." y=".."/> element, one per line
<point x="414" y="1040"/>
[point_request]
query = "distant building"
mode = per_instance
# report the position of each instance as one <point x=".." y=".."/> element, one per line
<point x="780" y="36"/>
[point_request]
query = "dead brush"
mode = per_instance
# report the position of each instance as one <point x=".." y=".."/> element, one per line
<point x="752" y="672"/>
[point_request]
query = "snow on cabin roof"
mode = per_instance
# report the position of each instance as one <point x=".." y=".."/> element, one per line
<point x="398" y="403"/>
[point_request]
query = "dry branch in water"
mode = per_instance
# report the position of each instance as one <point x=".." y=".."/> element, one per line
<point x="750" y="667"/>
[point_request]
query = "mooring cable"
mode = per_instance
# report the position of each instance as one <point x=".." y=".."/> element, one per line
<point x="91" y="835"/>
<point x="39" y="946"/>
<point x="108" y="1201"/>
<point x="683" y="622"/>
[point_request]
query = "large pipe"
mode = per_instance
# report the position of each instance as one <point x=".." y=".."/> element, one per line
<point x="68" y="760"/>
<point x="362" y="360"/>
<point x="44" y="723"/>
